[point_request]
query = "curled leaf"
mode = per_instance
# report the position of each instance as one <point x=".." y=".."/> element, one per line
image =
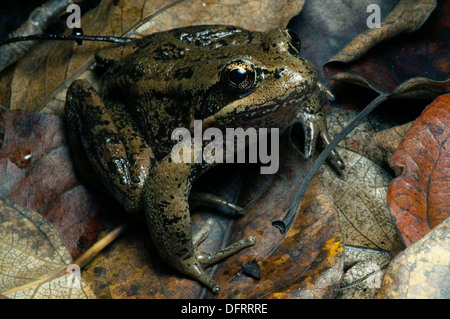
<point x="407" y="16"/>
<point x="411" y="65"/>
<point x="36" y="24"/>
<point x="388" y="140"/>
<point x="419" y="198"/>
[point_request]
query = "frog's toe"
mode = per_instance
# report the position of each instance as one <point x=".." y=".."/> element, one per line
<point x="311" y="129"/>
<point x="211" y="199"/>
<point x="203" y="233"/>
<point x="209" y="259"/>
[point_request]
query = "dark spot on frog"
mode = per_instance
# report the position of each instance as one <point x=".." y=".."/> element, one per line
<point x="265" y="47"/>
<point x="183" y="73"/>
<point x="278" y="73"/>
<point x="223" y="42"/>
<point x="168" y="52"/>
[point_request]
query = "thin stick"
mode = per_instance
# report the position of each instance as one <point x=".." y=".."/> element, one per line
<point x="72" y="37"/>
<point x="99" y="246"/>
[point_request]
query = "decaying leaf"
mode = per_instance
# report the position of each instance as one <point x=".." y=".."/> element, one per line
<point x="411" y="65"/>
<point x="419" y="198"/>
<point x="46" y="181"/>
<point x="40" y="79"/>
<point x="307" y="262"/>
<point x="364" y="272"/>
<point x="422" y="271"/>
<point x="360" y="193"/>
<point x="407" y="16"/>
<point x="33" y="259"/>
<point x="327" y="26"/>
<point x="388" y="140"/>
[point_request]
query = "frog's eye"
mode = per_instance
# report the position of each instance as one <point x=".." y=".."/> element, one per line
<point x="294" y="39"/>
<point x="239" y="76"/>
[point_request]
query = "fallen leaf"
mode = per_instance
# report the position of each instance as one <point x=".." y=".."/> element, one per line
<point x="360" y="192"/>
<point x="48" y="183"/>
<point x="388" y="140"/>
<point x="419" y="198"/>
<point x="327" y="26"/>
<point x="32" y="256"/>
<point x="306" y="263"/>
<point x="422" y="270"/>
<point x="364" y="272"/>
<point x="411" y="65"/>
<point x="407" y="16"/>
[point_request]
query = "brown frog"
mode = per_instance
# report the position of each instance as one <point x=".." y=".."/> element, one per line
<point x="224" y="75"/>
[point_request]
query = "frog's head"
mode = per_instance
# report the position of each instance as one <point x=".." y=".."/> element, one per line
<point x="262" y="84"/>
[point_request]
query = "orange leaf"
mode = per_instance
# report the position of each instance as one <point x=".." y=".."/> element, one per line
<point x="420" y="198"/>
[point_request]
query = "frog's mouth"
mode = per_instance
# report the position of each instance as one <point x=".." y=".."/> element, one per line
<point x="246" y="116"/>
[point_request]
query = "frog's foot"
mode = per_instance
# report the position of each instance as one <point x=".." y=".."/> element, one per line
<point x="204" y="232"/>
<point x="167" y="211"/>
<point x="208" y="199"/>
<point x="314" y="127"/>
<point x="209" y="259"/>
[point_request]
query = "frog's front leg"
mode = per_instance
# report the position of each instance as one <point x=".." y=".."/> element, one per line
<point x="107" y="147"/>
<point x="314" y="125"/>
<point x="165" y="199"/>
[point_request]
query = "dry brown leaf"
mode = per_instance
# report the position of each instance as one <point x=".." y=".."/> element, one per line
<point x="364" y="273"/>
<point x="388" y="140"/>
<point x="360" y="194"/>
<point x="422" y="271"/>
<point x="40" y="79"/>
<point x="407" y="16"/>
<point x="33" y="258"/>
<point x="410" y="65"/>
<point x="37" y="22"/>
<point x="370" y="236"/>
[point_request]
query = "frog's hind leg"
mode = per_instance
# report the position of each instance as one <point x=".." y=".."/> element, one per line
<point x="105" y="140"/>
<point x="166" y="205"/>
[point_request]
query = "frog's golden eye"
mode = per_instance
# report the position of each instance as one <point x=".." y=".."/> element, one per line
<point x="294" y="39"/>
<point x="239" y="76"/>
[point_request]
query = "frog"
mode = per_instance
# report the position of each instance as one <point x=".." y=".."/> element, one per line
<point x="226" y="76"/>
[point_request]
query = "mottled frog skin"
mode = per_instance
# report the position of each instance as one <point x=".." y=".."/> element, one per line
<point x="223" y="75"/>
